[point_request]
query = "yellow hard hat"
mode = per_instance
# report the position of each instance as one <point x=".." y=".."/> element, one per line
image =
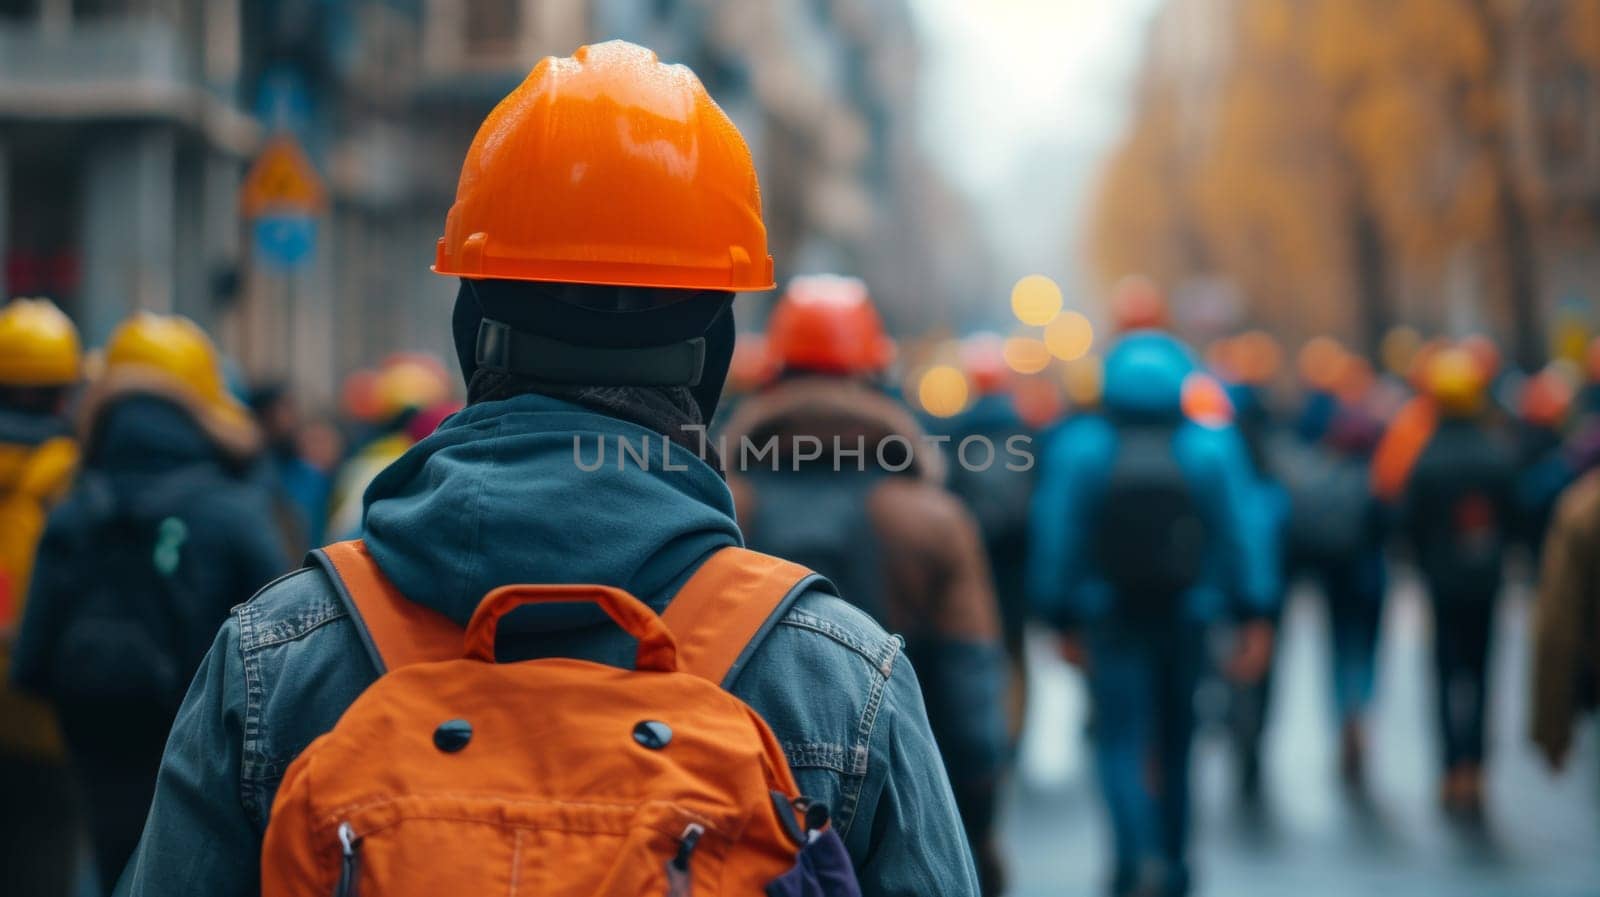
<point x="38" y="345"/>
<point x="175" y="346"/>
<point x="410" y="381"/>
<point x="1456" y="381"/>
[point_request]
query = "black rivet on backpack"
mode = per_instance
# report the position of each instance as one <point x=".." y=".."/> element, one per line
<point x="452" y="735"/>
<point x="652" y="734"/>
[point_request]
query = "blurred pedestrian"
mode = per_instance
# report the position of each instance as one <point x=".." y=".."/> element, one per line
<point x="1249" y="364"/>
<point x="1457" y="511"/>
<point x="302" y="486"/>
<point x="1337" y="533"/>
<point x="40" y="364"/>
<point x="1544" y="467"/>
<point x="1146" y="533"/>
<point x="853" y="489"/>
<point x="598" y="317"/>
<point x="1566" y="622"/>
<point x="162" y="533"/>
<point x="997" y="496"/>
<point x="405" y="384"/>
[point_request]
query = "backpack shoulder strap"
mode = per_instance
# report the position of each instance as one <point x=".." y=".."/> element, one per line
<point x="396" y="631"/>
<point x="727" y="608"/>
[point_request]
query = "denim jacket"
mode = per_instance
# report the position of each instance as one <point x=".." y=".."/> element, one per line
<point x="836" y="689"/>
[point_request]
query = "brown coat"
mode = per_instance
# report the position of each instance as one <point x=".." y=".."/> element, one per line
<point x="1567" y="618"/>
<point x="935" y="569"/>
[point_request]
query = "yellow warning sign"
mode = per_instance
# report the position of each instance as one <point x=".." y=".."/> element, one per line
<point x="282" y="182"/>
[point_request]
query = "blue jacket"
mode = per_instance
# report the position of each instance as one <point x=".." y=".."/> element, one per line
<point x="1144" y="374"/>
<point x="495" y="496"/>
<point x="148" y="450"/>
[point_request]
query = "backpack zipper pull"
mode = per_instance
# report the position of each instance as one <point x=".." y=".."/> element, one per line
<point x="349" y="866"/>
<point x="686" y="844"/>
<point x="678" y="880"/>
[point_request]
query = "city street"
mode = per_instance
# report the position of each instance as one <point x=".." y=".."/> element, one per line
<point x="1542" y="833"/>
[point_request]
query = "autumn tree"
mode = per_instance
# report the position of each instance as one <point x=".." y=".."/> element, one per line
<point x="1351" y="142"/>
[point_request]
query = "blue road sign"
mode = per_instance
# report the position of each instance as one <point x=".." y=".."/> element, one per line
<point x="285" y="242"/>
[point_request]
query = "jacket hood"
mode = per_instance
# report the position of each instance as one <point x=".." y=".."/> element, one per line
<point x="228" y="431"/>
<point x="144" y="434"/>
<point x="499" y="494"/>
<point x="826" y="408"/>
<point x="1144" y="376"/>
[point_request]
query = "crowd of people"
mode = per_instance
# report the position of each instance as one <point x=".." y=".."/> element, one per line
<point x="210" y="715"/>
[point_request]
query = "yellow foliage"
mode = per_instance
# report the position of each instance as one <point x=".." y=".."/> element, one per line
<point x="1322" y="110"/>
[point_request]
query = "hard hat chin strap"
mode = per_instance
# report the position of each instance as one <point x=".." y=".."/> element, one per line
<point x="501" y="348"/>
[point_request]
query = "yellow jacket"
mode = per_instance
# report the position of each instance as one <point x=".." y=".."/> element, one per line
<point x="32" y="479"/>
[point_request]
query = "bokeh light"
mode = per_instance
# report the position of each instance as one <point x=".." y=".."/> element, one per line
<point x="942" y="391"/>
<point x="1036" y="300"/>
<point x="1026" y="355"/>
<point x="1084" y="380"/>
<point x="1069" y="337"/>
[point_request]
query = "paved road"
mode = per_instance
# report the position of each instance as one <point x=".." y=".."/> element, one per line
<point x="1543" y="837"/>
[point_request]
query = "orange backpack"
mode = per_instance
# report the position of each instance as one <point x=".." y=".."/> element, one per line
<point x="455" y="776"/>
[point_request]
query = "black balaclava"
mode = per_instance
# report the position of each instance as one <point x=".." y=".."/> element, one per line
<point x="570" y="318"/>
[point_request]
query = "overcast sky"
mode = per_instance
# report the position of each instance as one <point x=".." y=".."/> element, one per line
<point x="1021" y="100"/>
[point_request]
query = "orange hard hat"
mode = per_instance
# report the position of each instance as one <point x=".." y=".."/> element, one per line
<point x="1205" y="401"/>
<point x="358" y="396"/>
<point x="983" y="358"/>
<point x="752" y="366"/>
<point x="1321" y="362"/>
<point x="1137" y="304"/>
<point x="1251" y="358"/>
<point x="826" y="323"/>
<point x="1546" y="398"/>
<point x="608" y="167"/>
<point x="1356" y="379"/>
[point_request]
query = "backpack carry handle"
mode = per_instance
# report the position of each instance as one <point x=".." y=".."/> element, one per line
<point x="658" y="650"/>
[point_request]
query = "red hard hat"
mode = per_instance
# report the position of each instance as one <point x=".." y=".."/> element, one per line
<point x="1137" y="304"/>
<point x="983" y="357"/>
<point x="1546" y="398"/>
<point x="826" y="323"/>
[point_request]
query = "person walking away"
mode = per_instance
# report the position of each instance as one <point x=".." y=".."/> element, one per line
<point x="1249" y="366"/>
<point x="1144" y="537"/>
<point x="597" y="318"/>
<point x="162" y="533"/>
<point x="1457" y="512"/>
<point x="851" y="487"/>
<point x="41" y="361"/>
<point x="303" y="484"/>
<point x="1336" y="538"/>
<point x="998" y="497"/>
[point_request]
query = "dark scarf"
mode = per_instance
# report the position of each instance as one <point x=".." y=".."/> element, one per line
<point x="669" y="410"/>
